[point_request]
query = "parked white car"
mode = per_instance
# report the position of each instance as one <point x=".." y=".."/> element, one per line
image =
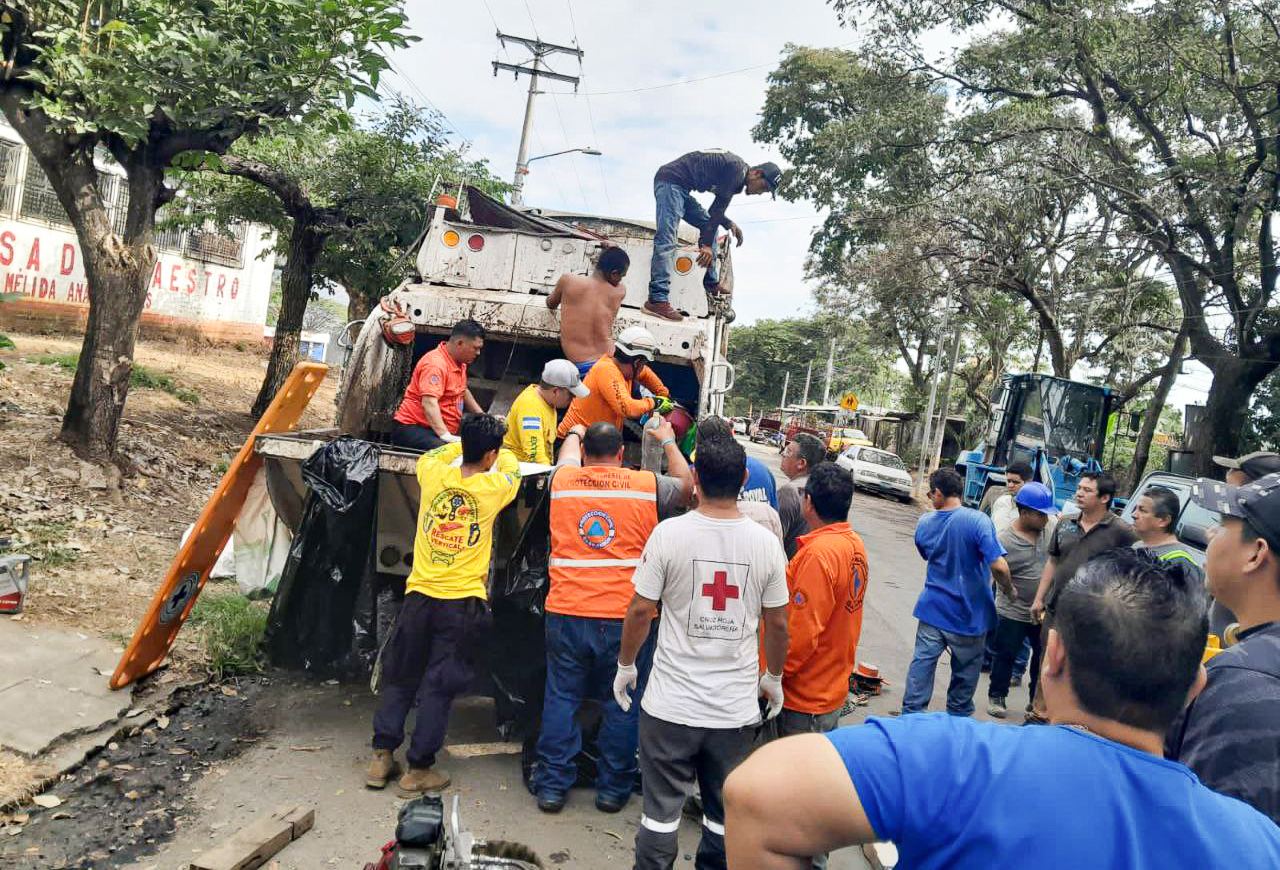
<point x="877" y="470"/>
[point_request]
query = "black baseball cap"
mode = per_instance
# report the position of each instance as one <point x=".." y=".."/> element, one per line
<point x="1257" y="502"/>
<point x="1258" y="464"/>
<point x="773" y="177"/>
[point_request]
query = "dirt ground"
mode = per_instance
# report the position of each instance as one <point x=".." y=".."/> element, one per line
<point x="102" y="540"/>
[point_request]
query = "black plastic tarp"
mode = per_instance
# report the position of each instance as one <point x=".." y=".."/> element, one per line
<point x="322" y="617"/>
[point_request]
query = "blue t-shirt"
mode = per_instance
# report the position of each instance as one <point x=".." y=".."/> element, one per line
<point x="955" y="793"/>
<point x="760" y="485"/>
<point x="960" y="545"/>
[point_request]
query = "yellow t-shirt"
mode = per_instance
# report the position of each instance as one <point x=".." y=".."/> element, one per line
<point x="454" y="542"/>
<point x="531" y="426"/>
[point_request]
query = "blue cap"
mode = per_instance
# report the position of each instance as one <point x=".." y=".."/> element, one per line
<point x="1036" y="497"/>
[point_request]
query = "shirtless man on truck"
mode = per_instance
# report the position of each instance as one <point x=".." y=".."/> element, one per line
<point x="588" y="307"/>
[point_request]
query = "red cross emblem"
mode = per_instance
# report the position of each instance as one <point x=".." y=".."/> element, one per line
<point x="719" y="591"/>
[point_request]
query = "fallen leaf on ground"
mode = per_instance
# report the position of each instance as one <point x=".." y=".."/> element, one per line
<point x="48" y="801"/>
<point x="61" y="814"/>
<point x="228" y="691"/>
<point x="162" y="722"/>
<point x="132" y="795"/>
<point x="14" y="831"/>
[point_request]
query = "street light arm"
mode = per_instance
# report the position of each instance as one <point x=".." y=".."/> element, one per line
<point x="590" y="152"/>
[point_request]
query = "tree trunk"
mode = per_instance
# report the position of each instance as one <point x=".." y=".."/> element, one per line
<point x="359" y="304"/>
<point x="305" y="243"/>
<point x="1142" y="449"/>
<point x="1234" y="382"/>
<point x="118" y="271"/>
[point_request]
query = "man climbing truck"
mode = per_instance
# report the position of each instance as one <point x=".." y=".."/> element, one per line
<point x="724" y="174"/>
<point x="588" y="306"/>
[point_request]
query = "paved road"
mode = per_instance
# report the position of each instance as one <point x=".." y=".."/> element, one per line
<point x="897" y="576"/>
<point x="318" y="744"/>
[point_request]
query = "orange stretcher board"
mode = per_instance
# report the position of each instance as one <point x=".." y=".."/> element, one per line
<point x="195" y="559"/>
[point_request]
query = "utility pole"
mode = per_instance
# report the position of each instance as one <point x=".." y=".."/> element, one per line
<point x="808" y="373"/>
<point x="786" y="381"/>
<point x="935" y="455"/>
<point x="831" y="364"/>
<point x="925" y="441"/>
<point x="536" y="67"/>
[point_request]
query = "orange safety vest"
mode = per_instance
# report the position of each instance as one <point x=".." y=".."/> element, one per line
<point x="601" y="517"/>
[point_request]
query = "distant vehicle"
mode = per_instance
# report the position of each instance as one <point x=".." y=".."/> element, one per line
<point x="844" y="437"/>
<point x="739" y="425"/>
<point x="1055" y="425"/>
<point x="1193" y="523"/>
<point x="877" y="470"/>
<point x="763" y="430"/>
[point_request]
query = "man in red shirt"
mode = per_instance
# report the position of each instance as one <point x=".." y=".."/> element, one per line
<point x="431" y="412"/>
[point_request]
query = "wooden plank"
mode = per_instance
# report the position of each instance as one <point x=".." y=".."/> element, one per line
<point x="195" y="559"/>
<point x="254" y="845"/>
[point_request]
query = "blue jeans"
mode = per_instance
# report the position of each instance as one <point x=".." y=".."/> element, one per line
<point x="582" y="658"/>
<point x="674" y="203"/>
<point x="966" y="667"/>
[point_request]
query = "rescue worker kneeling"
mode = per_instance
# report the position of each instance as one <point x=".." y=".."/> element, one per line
<point x="601" y="517"/>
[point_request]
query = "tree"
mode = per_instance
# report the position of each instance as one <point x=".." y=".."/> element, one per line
<point x="1174" y="109"/>
<point x="152" y="84"/>
<point x="768" y="352"/>
<point x="347" y="201"/>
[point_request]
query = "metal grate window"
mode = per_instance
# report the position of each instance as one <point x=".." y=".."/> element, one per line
<point x="38" y="199"/>
<point x="10" y="152"/>
<point x="114" y="190"/>
<point x="214" y="247"/>
<point x="168" y="239"/>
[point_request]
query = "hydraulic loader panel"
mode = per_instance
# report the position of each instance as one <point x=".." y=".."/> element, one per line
<point x="191" y="566"/>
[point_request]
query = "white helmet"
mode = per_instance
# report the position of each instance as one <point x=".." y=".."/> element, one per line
<point x="636" y="341"/>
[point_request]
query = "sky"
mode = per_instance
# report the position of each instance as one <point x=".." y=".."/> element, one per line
<point x="629" y="107"/>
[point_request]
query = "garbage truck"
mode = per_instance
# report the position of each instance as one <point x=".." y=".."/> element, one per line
<point x="1057" y="426"/>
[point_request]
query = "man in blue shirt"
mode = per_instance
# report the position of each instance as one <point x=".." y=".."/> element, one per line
<point x="956" y="608"/>
<point x="1092" y="790"/>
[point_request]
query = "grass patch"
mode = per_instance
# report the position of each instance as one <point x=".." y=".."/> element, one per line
<point x="233" y="628"/>
<point x="141" y="376"/>
<point x="45" y="544"/>
<point x="6" y="343"/>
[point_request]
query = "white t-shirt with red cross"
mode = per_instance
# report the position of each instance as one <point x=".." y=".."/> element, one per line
<point x="713" y="577"/>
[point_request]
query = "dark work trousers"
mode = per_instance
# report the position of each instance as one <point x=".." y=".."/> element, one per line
<point x="673" y="758"/>
<point x="428" y="659"/>
<point x="1011" y="635"/>
<point x="790" y="722"/>
<point x="415" y="437"/>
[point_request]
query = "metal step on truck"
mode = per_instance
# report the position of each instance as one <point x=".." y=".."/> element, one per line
<point x="482" y="259"/>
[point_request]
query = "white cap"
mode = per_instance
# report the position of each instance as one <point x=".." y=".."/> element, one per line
<point x="637" y="341"/>
<point x="562" y="373"/>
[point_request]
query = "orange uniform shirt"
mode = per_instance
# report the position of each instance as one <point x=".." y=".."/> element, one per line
<point x="827" y="579"/>
<point x="436" y="375"/>
<point x="610" y="400"/>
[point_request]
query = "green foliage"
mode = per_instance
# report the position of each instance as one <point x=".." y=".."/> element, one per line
<point x="157" y="68"/>
<point x="232" y="628"/>
<point x="368" y="183"/>
<point x="46" y="543"/>
<point x="1262" y="431"/>
<point x="764" y="353"/>
<point x="6" y="343"/>
<point x="140" y="376"/>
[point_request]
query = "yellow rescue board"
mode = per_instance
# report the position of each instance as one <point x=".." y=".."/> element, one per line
<point x="195" y="560"/>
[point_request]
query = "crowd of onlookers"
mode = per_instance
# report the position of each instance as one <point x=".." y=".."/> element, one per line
<point x="716" y="619"/>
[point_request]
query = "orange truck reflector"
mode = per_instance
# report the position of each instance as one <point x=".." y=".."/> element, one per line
<point x="195" y="559"/>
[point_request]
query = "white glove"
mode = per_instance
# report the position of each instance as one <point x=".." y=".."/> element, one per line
<point x="771" y="689"/>
<point x="449" y="438"/>
<point x="624" y="679"/>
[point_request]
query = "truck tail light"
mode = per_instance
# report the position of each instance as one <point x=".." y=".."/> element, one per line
<point x="476" y="242"/>
<point x="684" y="264"/>
<point x="451" y="238"/>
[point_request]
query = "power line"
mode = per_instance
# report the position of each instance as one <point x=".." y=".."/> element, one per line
<point x="417" y="90"/>
<point x="591" y="119"/>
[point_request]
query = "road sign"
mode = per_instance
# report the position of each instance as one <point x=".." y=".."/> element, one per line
<point x="849" y="401"/>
